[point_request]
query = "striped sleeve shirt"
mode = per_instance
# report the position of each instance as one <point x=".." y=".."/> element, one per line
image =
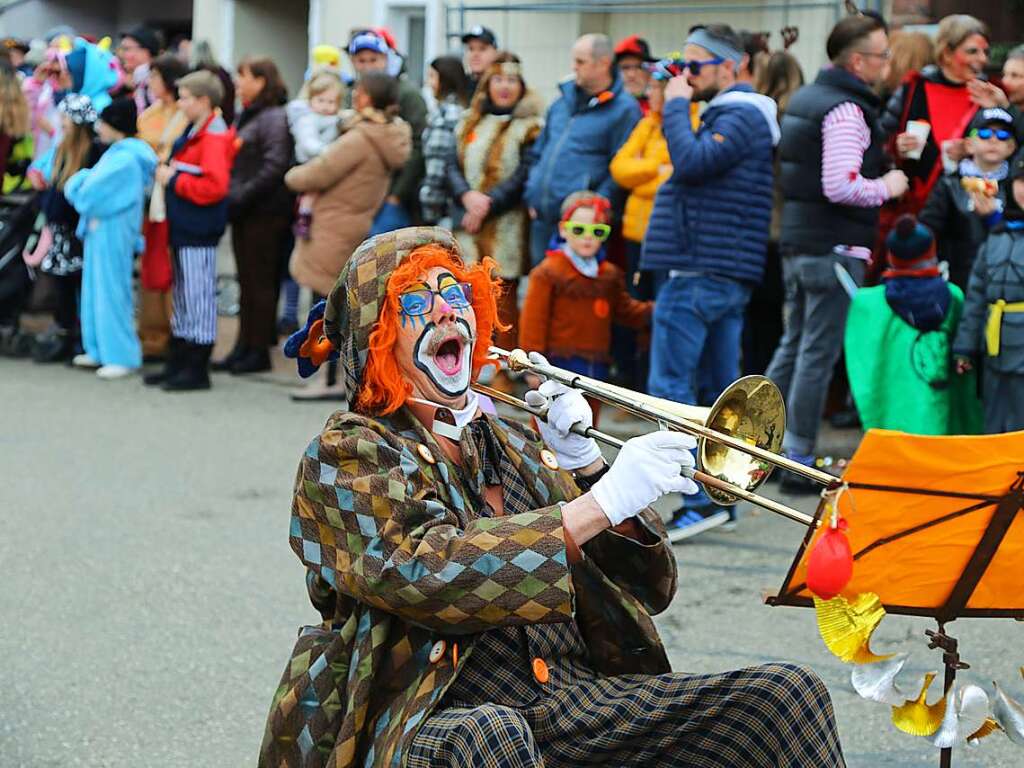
<point x="845" y="137"/>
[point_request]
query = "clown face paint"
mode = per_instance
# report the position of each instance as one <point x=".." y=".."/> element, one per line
<point x="436" y="333"/>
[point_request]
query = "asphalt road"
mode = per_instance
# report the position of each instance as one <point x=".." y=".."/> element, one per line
<point x="149" y="599"/>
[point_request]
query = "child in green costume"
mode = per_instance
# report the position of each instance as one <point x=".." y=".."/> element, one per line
<point x="898" y="344"/>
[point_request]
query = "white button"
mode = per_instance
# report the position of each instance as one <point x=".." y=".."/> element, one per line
<point x="437" y="652"/>
<point x="425" y="453"/>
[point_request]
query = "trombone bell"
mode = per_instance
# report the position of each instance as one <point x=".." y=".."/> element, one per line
<point x="752" y="410"/>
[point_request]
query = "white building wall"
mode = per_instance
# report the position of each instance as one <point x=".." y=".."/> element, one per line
<point x="543" y="40"/>
<point x="93" y="17"/>
<point x="275" y="29"/>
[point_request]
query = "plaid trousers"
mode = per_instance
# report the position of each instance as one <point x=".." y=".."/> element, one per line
<point x="769" y="716"/>
<point x="496" y="715"/>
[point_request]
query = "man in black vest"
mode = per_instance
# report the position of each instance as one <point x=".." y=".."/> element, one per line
<point x="831" y="175"/>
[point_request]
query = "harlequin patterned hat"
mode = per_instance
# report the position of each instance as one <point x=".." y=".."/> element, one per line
<point x="355" y="302"/>
<point x="78" y="107"/>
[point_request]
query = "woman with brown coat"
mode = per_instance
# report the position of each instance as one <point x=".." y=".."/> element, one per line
<point x="350" y="179"/>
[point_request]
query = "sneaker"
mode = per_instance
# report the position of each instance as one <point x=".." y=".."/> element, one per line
<point x="253" y="361"/>
<point x="84" y="361"/>
<point x="690" y="522"/>
<point x="114" y="371"/>
<point x="795" y="484"/>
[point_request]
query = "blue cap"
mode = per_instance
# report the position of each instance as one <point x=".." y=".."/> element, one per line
<point x="367" y="41"/>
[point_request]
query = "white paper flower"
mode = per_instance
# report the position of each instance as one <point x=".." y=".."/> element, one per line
<point x="966" y="712"/>
<point x="877" y="681"/>
<point x="1009" y="714"/>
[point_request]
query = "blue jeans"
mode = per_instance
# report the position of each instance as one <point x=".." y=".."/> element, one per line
<point x="388" y="218"/>
<point x="582" y="366"/>
<point x="695" y="342"/>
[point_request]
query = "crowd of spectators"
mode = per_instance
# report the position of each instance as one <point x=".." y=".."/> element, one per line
<point x="667" y="221"/>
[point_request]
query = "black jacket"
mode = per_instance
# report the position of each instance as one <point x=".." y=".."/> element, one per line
<point x="264" y="156"/>
<point x="958" y="230"/>
<point x="811" y="223"/>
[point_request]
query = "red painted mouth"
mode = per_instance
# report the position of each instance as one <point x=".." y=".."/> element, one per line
<point x="448" y="356"/>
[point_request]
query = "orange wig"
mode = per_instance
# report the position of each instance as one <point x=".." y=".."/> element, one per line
<point x="383" y="389"/>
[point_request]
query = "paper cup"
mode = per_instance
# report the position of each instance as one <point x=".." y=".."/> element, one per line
<point x="919" y="129"/>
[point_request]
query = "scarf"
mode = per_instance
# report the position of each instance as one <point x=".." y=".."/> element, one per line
<point x="586" y="267"/>
<point x="921" y="302"/>
<point x="970" y="169"/>
<point x="483" y="453"/>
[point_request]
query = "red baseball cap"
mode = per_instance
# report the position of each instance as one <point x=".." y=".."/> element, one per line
<point x="634" y="45"/>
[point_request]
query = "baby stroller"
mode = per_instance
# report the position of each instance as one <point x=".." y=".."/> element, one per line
<point x="18" y="213"/>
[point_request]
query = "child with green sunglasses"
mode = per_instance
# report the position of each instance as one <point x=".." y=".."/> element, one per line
<point x="574" y="295"/>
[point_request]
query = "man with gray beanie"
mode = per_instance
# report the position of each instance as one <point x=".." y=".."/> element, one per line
<point x="709" y="231"/>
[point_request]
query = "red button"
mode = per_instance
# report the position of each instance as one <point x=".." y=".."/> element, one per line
<point x="540" y="670"/>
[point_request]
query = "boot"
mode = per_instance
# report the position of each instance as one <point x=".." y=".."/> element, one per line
<point x="195" y="374"/>
<point x="326" y="385"/>
<point x="252" y="361"/>
<point x="173" y="363"/>
<point x="55" y="346"/>
<point x="239" y="351"/>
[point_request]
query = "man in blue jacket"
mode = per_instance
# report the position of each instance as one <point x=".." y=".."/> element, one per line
<point x="582" y="132"/>
<point x="709" y="231"/>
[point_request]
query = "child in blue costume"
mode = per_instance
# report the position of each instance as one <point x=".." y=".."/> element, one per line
<point x="109" y="199"/>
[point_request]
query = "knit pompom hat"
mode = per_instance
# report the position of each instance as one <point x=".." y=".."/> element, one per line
<point x="911" y="246"/>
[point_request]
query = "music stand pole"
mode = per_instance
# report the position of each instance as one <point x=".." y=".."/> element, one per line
<point x="951" y="661"/>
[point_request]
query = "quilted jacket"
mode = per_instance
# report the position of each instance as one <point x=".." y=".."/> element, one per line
<point x="641" y="166"/>
<point x="712" y="214"/>
<point x="581" y="136"/>
<point x="397" y="562"/>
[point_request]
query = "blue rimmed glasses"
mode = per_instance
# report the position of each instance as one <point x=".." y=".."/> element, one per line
<point x="421" y="301"/>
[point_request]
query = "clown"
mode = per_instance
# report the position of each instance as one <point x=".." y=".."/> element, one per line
<point x="487" y="595"/>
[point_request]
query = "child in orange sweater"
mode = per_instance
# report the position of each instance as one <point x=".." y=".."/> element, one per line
<point x="574" y="295"/>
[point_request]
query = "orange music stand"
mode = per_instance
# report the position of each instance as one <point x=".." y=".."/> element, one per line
<point x="936" y="529"/>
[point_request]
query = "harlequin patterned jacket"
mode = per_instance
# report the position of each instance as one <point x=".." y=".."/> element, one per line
<point x="397" y="561"/>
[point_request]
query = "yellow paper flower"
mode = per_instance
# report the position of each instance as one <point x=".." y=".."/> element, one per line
<point x="846" y="627"/>
<point x="990" y="726"/>
<point x="917" y="717"/>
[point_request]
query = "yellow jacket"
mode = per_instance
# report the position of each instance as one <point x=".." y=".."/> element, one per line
<point x="641" y="166"/>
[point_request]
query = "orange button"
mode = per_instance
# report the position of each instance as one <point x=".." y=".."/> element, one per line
<point x="455" y="654"/>
<point x="540" y="670"/>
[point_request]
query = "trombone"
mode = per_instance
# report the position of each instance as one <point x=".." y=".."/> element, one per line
<point x="739" y="437"/>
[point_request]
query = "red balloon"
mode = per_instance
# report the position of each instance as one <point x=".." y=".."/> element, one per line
<point x="830" y="564"/>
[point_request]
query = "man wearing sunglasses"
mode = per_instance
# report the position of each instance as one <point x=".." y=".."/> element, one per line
<point x="709" y="231"/>
<point x="965" y="205"/>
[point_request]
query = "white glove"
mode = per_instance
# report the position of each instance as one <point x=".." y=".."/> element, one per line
<point x="566" y="407"/>
<point x="646" y="469"/>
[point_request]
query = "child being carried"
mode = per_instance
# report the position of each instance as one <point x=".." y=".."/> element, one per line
<point x="314" y="124"/>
